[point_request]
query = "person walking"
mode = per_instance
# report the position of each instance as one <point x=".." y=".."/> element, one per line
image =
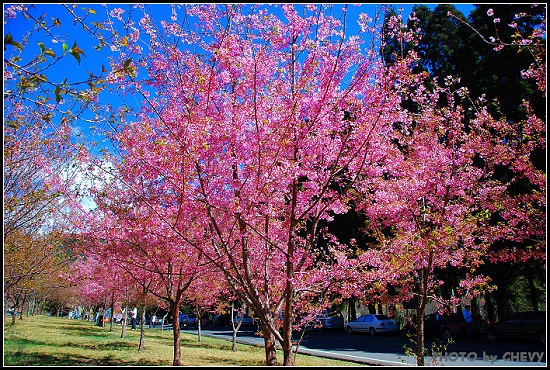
<point x="468" y="318"/>
<point x="134" y="317"/>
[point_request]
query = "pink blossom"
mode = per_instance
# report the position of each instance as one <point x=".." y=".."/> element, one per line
<point x="490" y="12"/>
<point x="117" y="13"/>
<point x="496" y="20"/>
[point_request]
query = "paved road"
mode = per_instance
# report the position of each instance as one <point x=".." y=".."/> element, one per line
<point x="389" y="349"/>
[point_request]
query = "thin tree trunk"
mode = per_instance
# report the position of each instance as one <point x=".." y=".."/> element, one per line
<point x="199" y="327"/>
<point x="235" y="326"/>
<point x="124" y="320"/>
<point x="423" y="282"/>
<point x="176" y="328"/>
<point x="112" y="311"/>
<point x="142" y="330"/>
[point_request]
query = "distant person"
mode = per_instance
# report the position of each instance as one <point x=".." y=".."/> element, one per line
<point x="153" y="321"/>
<point x="468" y="318"/>
<point x="134" y="317"/>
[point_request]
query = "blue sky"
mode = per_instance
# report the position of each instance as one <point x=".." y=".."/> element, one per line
<point x="91" y="62"/>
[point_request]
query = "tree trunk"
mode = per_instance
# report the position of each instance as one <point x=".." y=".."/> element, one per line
<point x="420" y="336"/>
<point x="176" y="329"/>
<point x="533" y="290"/>
<point x="124" y="322"/>
<point x="352" y="311"/>
<point x="112" y="311"/>
<point x="423" y="285"/>
<point x="288" y="357"/>
<point x="234" y="341"/>
<point x="142" y="330"/>
<point x="199" y="327"/>
<point x="269" y="345"/>
<point x="235" y="324"/>
<point x="489" y="307"/>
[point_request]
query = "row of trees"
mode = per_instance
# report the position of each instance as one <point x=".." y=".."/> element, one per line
<point x="260" y="129"/>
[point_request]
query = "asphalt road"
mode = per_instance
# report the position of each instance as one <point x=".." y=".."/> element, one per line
<point x="389" y="349"/>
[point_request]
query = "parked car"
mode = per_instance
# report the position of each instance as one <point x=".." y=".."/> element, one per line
<point x="445" y="327"/>
<point x="246" y="319"/>
<point x="373" y="324"/>
<point x="528" y="325"/>
<point x="188" y="319"/>
<point x="327" y="320"/>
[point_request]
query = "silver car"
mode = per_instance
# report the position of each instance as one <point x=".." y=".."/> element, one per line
<point x="373" y="324"/>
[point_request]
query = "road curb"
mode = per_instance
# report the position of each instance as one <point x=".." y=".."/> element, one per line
<point x="311" y="352"/>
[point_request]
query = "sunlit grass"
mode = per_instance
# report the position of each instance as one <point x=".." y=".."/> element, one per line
<point x="54" y="341"/>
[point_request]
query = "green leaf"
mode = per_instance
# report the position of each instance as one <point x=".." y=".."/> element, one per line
<point x="65" y="47"/>
<point x="50" y="53"/>
<point x="75" y="51"/>
<point x="9" y="41"/>
<point x="58" y="94"/>
<point x="76" y="55"/>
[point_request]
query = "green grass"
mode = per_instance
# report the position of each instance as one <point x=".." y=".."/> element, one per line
<point x="54" y="341"/>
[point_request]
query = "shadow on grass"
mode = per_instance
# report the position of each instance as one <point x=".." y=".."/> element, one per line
<point x="108" y="345"/>
<point x="188" y="341"/>
<point x="224" y="361"/>
<point x="26" y="359"/>
<point x="80" y="329"/>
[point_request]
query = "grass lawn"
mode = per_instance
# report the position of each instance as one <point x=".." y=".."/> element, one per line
<point x="55" y="341"/>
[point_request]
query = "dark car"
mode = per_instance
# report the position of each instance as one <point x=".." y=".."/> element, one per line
<point x="445" y="326"/>
<point x="244" y="319"/>
<point x="187" y="319"/>
<point x="327" y="320"/>
<point x="529" y="325"/>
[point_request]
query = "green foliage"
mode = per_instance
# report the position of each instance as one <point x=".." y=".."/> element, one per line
<point x="433" y="354"/>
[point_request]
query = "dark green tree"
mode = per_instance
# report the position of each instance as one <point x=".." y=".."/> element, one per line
<point x="485" y="68"/>
<point x="441" y="38"/>
<point x="486" y="51"/>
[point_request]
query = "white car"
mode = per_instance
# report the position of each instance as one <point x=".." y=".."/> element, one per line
<point x="373" y="324"/>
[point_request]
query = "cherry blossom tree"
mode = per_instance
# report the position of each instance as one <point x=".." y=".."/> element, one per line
<point x="41" y="150"/>
<point x="205" y="294"/>
<point x="435" y="200"/>
<point x="100" y="281"/>
<point x="130" y="229"/>
<point x="252" y="137"/>
<point x="257" y="125"/>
